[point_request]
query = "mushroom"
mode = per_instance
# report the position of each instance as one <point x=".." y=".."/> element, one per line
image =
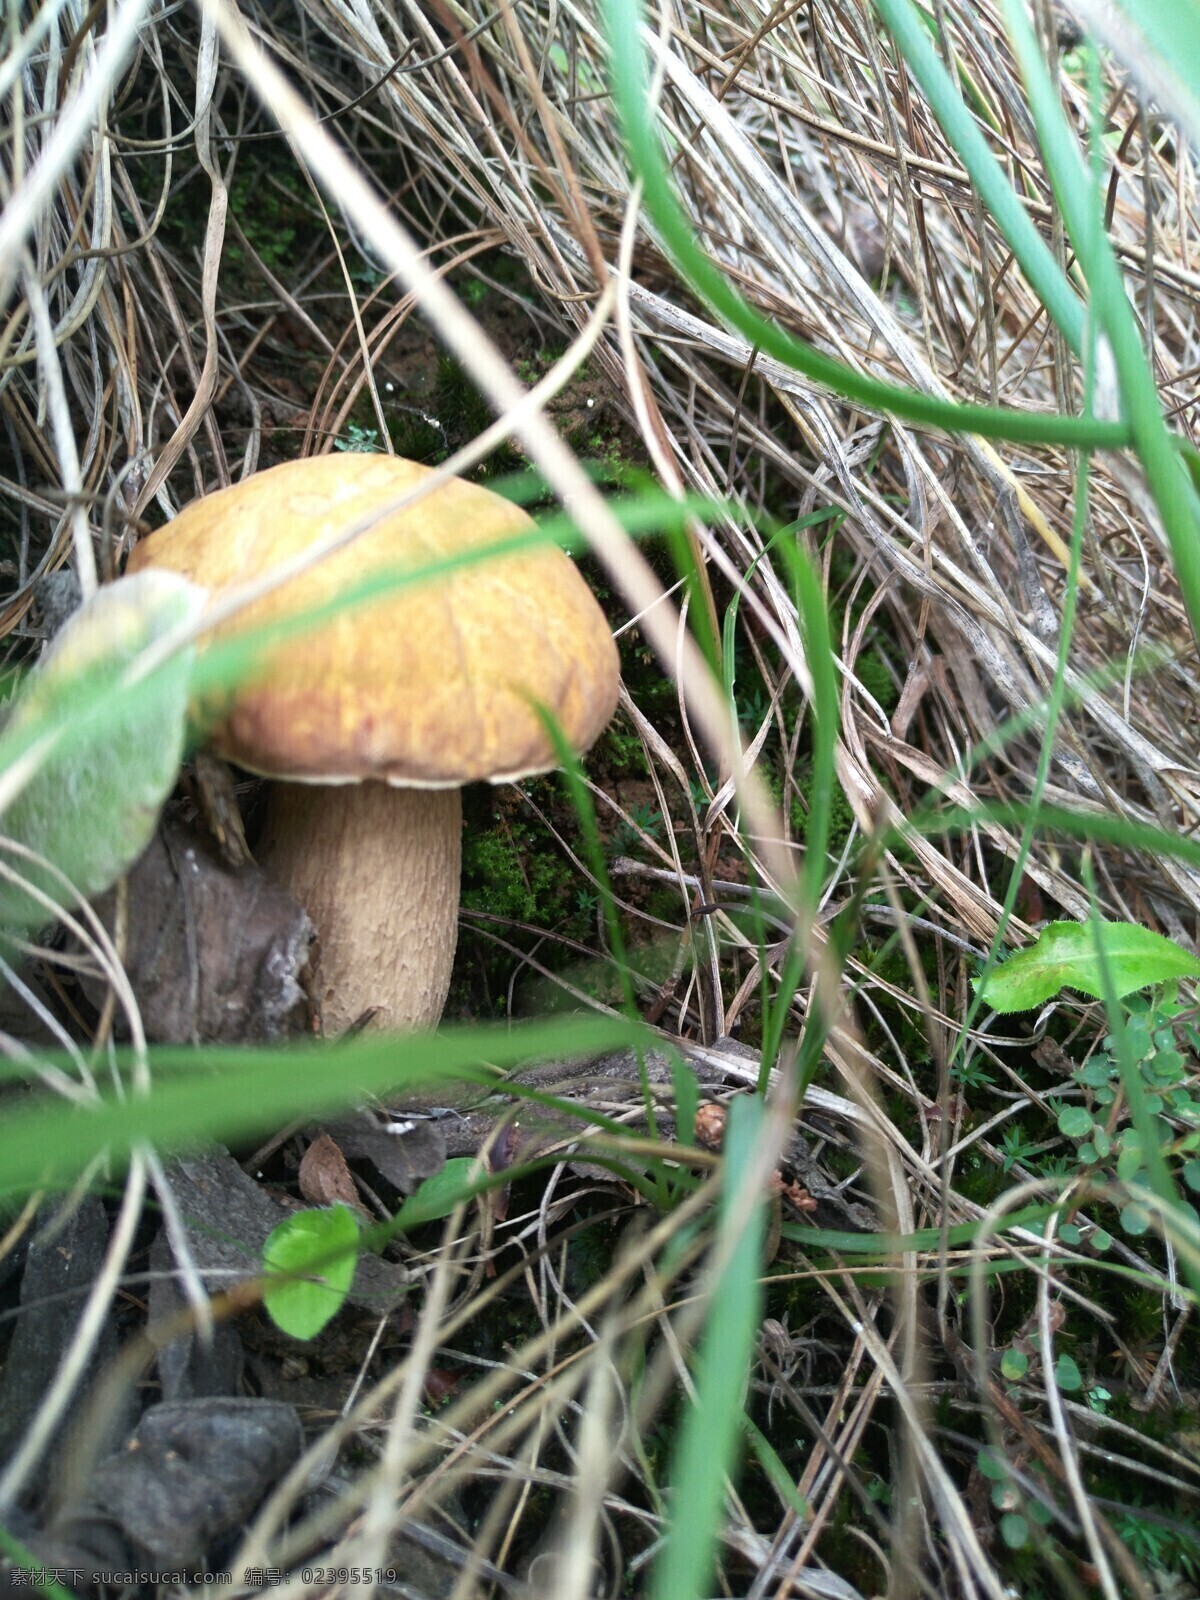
<point x="375" y="717"/>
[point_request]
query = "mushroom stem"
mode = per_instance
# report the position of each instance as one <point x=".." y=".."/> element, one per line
<point x="377" y="870"/>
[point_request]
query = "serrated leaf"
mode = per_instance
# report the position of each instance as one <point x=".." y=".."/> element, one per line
<point x="92" y="803"/>
<point x="317" y="1251"/>
<point x="1064" y="957"/>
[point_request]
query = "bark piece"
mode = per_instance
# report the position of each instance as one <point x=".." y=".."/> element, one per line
<point x="215" y="954"/>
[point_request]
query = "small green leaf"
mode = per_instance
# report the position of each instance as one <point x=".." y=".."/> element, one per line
<point x="1014" y="1364"/>
<point x="315" y="1254"/>
<point x="1071" y="1234"/>
<point x="1100" y="1240"/>
<point x="1096" y="1074"/>
<point x="1075" y="1121"/>
<point x="1064" y="957"/>
<point x="1130" y="1162"/>
<point x="1014" y="1530"/>
<point x="438" y="1196"/>
<point x="1067" y="1374"/>
<point x="91" y="805"/>
<point x="1134" y="1221"/>
<point x="1005" y="1496"/>
<point x="991" y="1466"/>
<point x="1191" y="1175"/>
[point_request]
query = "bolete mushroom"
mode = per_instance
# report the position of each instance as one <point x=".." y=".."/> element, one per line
<point x="376" y="717"/>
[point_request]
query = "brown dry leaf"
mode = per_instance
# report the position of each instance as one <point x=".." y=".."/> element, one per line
<point x="441" y="1383"/>
<point x="324" y="1176"/>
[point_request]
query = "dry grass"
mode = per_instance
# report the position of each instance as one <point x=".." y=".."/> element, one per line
<point x="137" y="371"/>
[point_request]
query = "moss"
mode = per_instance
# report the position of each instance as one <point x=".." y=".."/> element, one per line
<point x="271" y="211"/>
<point x="841" y="817"/>
<point x="873" y="672"/>
<point x="456" y="413"/>
<point x="416" y="436"/>
<point x="622" y="750"/>
<point x="509" y="872"/>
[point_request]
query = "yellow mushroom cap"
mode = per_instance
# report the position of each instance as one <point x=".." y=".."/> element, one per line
<point x="432" y="685"/>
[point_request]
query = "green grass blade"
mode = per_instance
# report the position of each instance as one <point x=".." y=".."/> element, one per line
<point x="231" y="1094"/>
<point x="1076" y="191"/>
<point x="631" y="95"/>
<point x="1042" y="271"/>
<point x="809" y="599"/>
<point x="1159" y="41"/>
<point x="712" y="1426"/>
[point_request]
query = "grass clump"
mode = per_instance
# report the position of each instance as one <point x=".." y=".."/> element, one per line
<point x="897" y="445"/>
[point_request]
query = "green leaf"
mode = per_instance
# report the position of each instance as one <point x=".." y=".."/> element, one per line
<point x="1130" y="1162"/>
<point x="1097" y="1074"/>
<point x="314" y="1253"/>
<point x="437" y="1197"/>
<point x="109" y="748"/>
<point x="991" y="1466"/>
<point x="1075" y="1122"/>
<point x="1067" y="1374"/>
<point x="1064" y="957"/>
<point x="1014" y="1530"/>
<point x="1098" y="1398"/>
<point x="1014" y="1364"/>
<point x="1135" y="1221"/>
